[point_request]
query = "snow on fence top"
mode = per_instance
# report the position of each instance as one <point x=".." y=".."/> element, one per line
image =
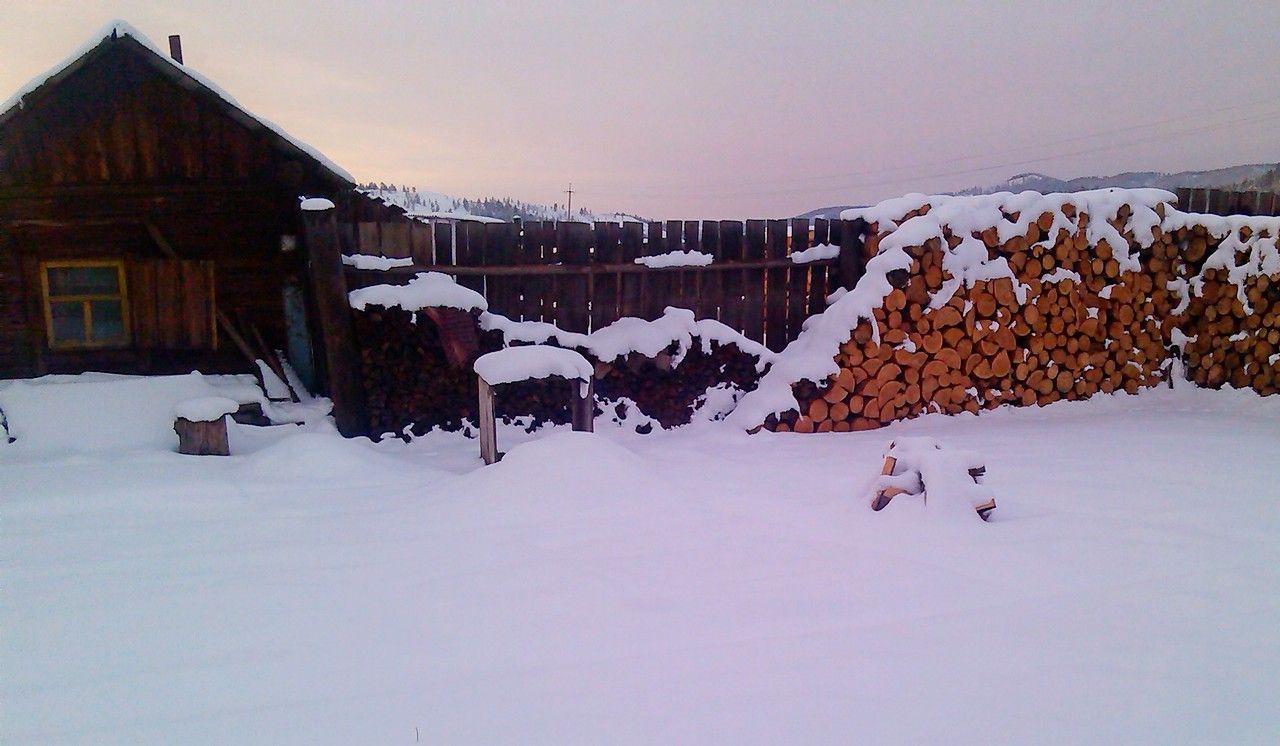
<point x="627" y="335"/>
<point x="531" y="362"/>
<point x="425" y="290"/>
<point x="120" y="28"/>
<point x="374" y="262"/>
<point x="915" y="219"/>
<point x="676" y="259"/>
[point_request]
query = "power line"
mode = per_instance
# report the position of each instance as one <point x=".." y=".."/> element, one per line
<point x="958" y="172"/>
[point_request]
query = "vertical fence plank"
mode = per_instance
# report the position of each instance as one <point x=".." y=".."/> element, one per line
<point x="656" y="286"/>
<point x="395" y="239"/>
<point x="630" y="294"/>
<point x="710" y="291"/>
<point x="550" y="255"/>
<point x="528" y="252"/>
<point x="574" y="240"/>
<point x="799" y="282"/>
<point x="692" y="283"/>
<point x="421" y="243"/>
<point x="753" y="282"/>
<point x="443" y="242"/>
<point x="818" y="275"/>
<point x="775" y="291"/>
<point x="853" y="262"/>
<point x="675" y="279"/>
<point x="500" y="248"/>
<point x="731" y="239"/>
<point x="465" y="256"/>
<point x="605" y="293"/>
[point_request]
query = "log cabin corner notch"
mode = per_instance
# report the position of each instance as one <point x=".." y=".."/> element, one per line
<point x="149" y="223"/>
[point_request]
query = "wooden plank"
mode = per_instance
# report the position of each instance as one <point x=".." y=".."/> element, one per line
<point x="574" y="240"/>
<point x="467" y="254"/>
<point x="630" y="295"/>
<point x="753" y="282"/>
<point x="692" y="283"/>
<point x="421" y="243"/>
<point x="502" y="291"/>
<point x="775" y="317"/>
<point x="711" y="286"/>
<point x="605" y="291"/>
<point x="673" y="240"/>
<point x="367" y="239"/>
<point x="853" y="262"/>
<point x="394" y="240"/>
<point x="656" y="286"/>
<point x="488" y="424"/>
<point x="531" y="286"/>
<point x="142" y="303"/>
<point x="195" y="305"/>
<point x="443" y="242"/>
<point x="550" y="257"/>
<point x="333" y="312"/>
<point x="732" y="306"/>
<point x="798" y="279"/>
<point x="818" y="273"/>
<point x="1268" y="204"/>
<point x="169" y="296"/>
<point x="583" y="406"/>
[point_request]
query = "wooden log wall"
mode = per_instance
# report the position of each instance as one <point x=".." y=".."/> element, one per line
<point x="1111" y="330"/>
<point x="583" y="277"/>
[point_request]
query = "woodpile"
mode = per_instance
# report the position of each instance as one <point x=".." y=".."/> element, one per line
<point x="409" y="383"/>
<point x="1085" y="325"/>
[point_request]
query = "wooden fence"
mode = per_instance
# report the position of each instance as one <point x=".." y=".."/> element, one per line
<point x="583" y="276"/>
<point x="1225" y="202"/>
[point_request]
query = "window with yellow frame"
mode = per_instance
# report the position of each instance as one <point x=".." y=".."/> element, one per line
<point x="85" y="303"/>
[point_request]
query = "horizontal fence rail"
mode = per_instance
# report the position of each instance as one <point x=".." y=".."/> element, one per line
<point x="583" y="276"/>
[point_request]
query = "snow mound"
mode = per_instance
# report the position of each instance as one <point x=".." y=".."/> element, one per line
<point x="98" y="414"/>
<point x="321" y="455"/>
<point x="532" y="362"/>
<point x="425" y="290"/>
<point x="578" y="467"/>
<point x="205" y="408"/>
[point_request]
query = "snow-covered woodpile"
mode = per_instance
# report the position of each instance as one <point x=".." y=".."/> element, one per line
<point x="646" y="373"/>
<point x="974" y="302"/>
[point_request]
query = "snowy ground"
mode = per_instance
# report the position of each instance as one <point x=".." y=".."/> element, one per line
<point x="700" y="586"/>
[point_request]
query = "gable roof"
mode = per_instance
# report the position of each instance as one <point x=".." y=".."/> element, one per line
<point x="121" y="33"/>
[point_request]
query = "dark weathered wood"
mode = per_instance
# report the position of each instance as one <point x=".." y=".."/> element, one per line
<point x="753" y="281"/>
<point x="731" y="240"/>
<point x="605" y="286"/>
<point x="200" y="438"/>
<point x="798" y="279"/>
<point x="818" y="271"/>
<point x="583" y="405"/>
<point x="572" y="310"/>
<point x="691" y="283"/>
<point x="329" y="290"/>
<point x="488" y="424"/>
<point x="630" y="283"/>
<point x="468" y="254"/>
<point x="852" y="261"/>
<point x="775" y="319"/>
<point x="711" y="285"/>
<point x="655" y="287"/>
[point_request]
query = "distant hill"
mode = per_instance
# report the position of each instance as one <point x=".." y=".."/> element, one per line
<point x="1251" y="176"/>
<point x="437" y="204"/>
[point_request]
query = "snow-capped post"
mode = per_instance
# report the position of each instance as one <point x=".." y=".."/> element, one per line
<point x="201" y="425"/>
<point x="333" y="310"/>
<point x="530" y="363"/>
<point x="852" y="261"/>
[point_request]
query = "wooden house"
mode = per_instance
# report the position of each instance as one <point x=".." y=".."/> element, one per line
<point x="148" y="223"/>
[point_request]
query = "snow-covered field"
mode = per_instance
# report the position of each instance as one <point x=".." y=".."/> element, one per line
<point x="698" y="586"/>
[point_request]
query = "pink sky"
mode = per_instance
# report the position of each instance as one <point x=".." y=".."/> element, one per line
<point x="707" y="110"/>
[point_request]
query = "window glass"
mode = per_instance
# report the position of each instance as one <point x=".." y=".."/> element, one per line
<point x="68" y="321"/>
<point x="106" y="319"/>
<point x="89" y="280"/>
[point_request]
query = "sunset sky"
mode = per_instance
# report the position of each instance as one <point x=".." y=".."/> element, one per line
<point x="706" y="110"/>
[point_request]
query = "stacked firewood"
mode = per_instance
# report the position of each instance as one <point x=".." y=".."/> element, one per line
<point x="1083" y="325"/>
<point x="1230" y="330"/>
<point x="411" y="387"/>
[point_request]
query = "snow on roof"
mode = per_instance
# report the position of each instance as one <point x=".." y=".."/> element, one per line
<point x="532" y="362"/>
<point x="425" y="290"/>
<point x="118" y="29"/>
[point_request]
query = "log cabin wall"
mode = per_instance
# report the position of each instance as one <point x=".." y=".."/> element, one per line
<point x="122" y="156"/>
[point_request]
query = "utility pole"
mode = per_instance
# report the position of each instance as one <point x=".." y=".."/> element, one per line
<point x="568" y="210"/>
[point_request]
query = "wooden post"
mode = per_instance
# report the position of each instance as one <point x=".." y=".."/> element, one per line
<point x="202" y="438"/>
<point x="329" y="288"/>
<point x="488" y="427"/>
<point x="584" y="405"/>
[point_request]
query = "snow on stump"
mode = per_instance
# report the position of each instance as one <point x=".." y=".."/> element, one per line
<point x="201" y="425"/>
<point x="921" y="467"/>
<point x="527" y="363"/>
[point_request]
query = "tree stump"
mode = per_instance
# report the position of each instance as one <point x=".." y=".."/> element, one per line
<point x="202" y="437"/>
